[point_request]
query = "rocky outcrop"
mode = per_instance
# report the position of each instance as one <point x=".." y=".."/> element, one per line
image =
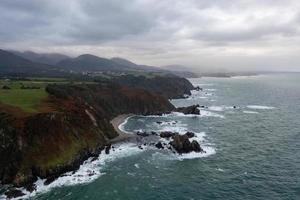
<point x="182" y="144"/>
<point x="166" y="134"/>
<point x="194" y="109"/>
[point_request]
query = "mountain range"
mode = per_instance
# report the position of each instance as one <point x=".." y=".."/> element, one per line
<point x="31" y="63"/>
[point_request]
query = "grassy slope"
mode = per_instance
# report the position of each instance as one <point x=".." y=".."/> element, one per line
<point x="26" y="99"/>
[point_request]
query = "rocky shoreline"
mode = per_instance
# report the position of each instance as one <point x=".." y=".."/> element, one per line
<point x="90" y="114"/>
<point x="176" y="143"/>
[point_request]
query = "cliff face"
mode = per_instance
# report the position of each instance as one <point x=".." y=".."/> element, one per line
<point x="170" y="87"/>
<point x="77" y="127"/>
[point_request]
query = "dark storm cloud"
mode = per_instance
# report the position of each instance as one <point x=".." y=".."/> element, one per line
<point x="196" y="32"/>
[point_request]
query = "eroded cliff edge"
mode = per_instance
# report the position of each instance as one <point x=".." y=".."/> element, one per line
<point x="75" y="126"/>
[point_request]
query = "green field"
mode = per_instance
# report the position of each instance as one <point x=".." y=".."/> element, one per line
<point x="26" y="99"/>
<point x="29" y="99"/>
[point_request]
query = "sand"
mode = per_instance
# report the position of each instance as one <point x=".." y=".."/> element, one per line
<point x="122" y="135"/>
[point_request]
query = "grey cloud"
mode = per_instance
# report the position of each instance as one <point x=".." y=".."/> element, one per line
<point x="155" y="32"/>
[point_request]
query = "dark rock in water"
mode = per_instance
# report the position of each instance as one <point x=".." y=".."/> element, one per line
<point x="182" y="144"/>
<point x="166" y="134"/>
<point x="234" y="107"/>
<point x="159" y="145"/>
<point x="50" y="180"/>
<point x="14" y="193"/>
<point x="198" y="88"/>
<point x="190" y="134"/>
<point x="30" y="187"/>
<point x="143" y="134"/>
<point x="140" y="147"/>
<point x="153" y="133"/>
<point x="196" y="146"/>
<point x="107" y="148"/>
<point x="189" y="110"/>
<point x="159" y="122"/>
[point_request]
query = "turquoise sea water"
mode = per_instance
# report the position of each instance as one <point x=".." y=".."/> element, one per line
<point x="252" y="151"/>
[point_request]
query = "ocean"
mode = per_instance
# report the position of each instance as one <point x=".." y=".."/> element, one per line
<point x="250" y="131"/>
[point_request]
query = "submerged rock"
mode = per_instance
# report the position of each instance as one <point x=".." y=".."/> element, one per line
<point x="189" y="110"/>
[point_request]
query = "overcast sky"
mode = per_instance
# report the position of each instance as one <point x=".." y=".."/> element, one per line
<point x="239" y="34"/>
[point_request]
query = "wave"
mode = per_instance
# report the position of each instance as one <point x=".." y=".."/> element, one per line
<point x="122" y="125"/>
<point x="258" y="107"/>
<point x="89" y="171"/>
<point x="210" y="89"/>
<point x="250" y="112"/>
<point x="205" y="113"/>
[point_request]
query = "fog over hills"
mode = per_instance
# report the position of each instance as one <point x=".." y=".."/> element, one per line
<point x="234" y="36"/>
<point x="45" y="58"/>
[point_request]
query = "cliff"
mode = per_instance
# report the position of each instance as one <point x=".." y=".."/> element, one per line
<point x="75" y="127"/>
<point x="170" y="87"/>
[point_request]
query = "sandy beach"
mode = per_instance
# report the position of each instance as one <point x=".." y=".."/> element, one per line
<point x="123" y="136"/>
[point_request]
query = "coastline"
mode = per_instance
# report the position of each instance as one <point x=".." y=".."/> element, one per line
<point x="123" y="136"/>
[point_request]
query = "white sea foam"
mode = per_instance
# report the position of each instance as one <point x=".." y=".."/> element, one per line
<point x="137" y="165"/>
<point x="179" y="127"/>
<point x="250" y="112"/>
<point x="209" y="89"/>
<point x="260" y="107"/>
<point x="216" y="108"/>
<point x="88" y="171"/>
<point x="221" y="108"/>
<point x="208" y="151"/>
<point x="202" y="84"/>
<point x="122" y="125"/>
<point x="205" y="113"/>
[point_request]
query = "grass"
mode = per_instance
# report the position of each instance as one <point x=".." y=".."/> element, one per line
<point x="26" y="99"/>
<point x="29" y="100"/>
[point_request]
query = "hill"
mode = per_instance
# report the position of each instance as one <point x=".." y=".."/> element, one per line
<point x="45" y="58"/>
<point x="13" y="65"/>
<point x="91" y="63"/>
<point x="132" y="65"/>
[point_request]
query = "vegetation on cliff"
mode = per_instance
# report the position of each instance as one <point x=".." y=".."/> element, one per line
<point x="75" y="126"/>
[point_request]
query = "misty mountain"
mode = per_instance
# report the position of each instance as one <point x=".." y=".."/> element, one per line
<point x="11" y="64"/>
<point x="181" y="70"/>
<point x="88" y="62"/>
<point x="45" y="58"/>
<point x="132" y="65"/>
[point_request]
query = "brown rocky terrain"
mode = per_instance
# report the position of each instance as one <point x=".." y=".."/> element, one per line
<point x="73" y="125"/>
